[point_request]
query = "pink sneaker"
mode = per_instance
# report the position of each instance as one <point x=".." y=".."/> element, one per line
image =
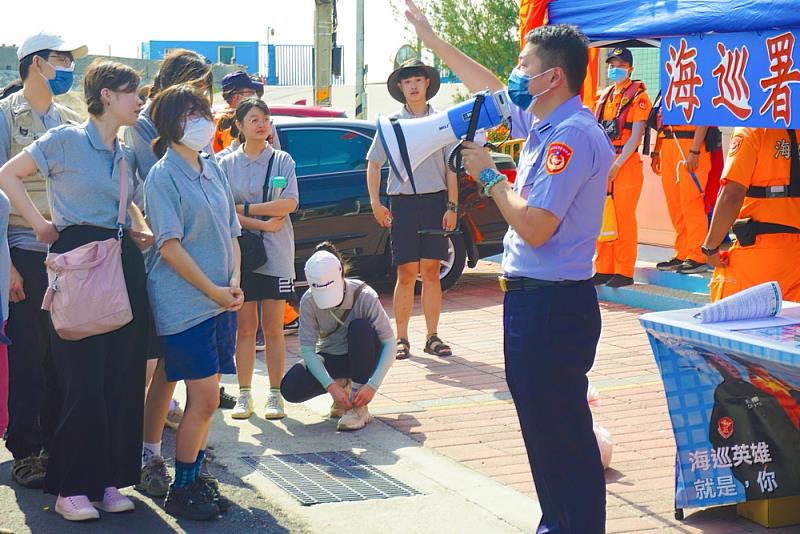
<point x="76" y="508"/>
<point x="114" y="502"/>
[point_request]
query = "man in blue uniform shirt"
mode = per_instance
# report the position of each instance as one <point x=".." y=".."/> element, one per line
<point x="554" y="210"/>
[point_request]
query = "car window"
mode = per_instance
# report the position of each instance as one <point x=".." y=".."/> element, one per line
<point x="326" y="150"/>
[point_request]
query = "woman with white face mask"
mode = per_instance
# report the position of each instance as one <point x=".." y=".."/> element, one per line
<point x="193" y="283"/>
<point x="95" y="449"/>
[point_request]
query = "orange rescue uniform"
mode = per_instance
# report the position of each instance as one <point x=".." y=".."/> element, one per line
<point x="685" y="198"/>
<point x="619" y="256"/>
<point x="762" y="157"/>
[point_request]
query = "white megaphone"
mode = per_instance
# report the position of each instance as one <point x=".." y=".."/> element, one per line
<point x="408" y="142"/>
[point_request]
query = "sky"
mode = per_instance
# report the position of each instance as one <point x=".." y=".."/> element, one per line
<point x="122" y="26"/>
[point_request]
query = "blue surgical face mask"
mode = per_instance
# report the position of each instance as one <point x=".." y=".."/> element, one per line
<point x="617" y="74"/>
<point x="518" y="83"/>
<point x="63" y="80"/>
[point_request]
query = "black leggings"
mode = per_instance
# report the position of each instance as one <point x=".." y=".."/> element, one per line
<point x="364" y="348"/>
<point x="98" y="440"/>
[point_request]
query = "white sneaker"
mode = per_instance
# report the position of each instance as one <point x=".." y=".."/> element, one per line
<point x="76" y="508"/>
<point x="244" y="406"/>
<point x="336" y="410"/>
<point x="354" y="419"/>
<point x="275" y="406"/>
<point x="114" y="502"/>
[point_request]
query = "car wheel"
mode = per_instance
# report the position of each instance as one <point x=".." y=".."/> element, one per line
<point x="450" y="269"/>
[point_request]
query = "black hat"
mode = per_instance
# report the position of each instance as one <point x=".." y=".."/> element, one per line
<point x="413" y="63"/>
<point x="620" y="53"/>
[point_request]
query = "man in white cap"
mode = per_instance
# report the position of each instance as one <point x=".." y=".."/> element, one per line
<point x="46" y="63"/>
<point x="346" y="342"/>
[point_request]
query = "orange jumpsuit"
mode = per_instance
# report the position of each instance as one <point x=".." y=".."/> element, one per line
<point x="619" y="256"/>
<point x="685" y="200"/>
<point x="761" y="157"/>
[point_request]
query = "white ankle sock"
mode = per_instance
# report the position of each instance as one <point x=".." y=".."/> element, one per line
<point x="149" y="450"/>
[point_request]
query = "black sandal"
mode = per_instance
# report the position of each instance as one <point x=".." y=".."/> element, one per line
<point x="403" y="349"/>
<point x="28" y="472"/>
<point x="437" y="347"/>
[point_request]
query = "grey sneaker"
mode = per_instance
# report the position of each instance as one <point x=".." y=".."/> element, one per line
<point x="155" y="479"/>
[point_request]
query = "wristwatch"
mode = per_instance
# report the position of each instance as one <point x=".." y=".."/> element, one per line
<point x="695" y="152"/>
<point x="452" y="206"/>
<point x="709" y="251"/>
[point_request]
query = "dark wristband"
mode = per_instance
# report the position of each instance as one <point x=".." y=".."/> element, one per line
<point x="695" y="152"/>
<point x="247" y="209"/>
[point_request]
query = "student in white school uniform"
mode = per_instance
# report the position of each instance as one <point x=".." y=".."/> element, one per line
<point x="346" y="341"/>
<point x="252" y="166"/>
<point x="96" y="446"/>
<point x="193" y="282"/>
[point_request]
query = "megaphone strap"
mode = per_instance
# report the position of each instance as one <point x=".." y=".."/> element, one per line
<point x="401" y="144"/>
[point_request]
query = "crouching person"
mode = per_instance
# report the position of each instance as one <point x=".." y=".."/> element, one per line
<point x="346" y="341"/>
<point x="193" y="283"/>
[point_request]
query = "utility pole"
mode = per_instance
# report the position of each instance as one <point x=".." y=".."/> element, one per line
<point x="361" y="94"/>
<point x="323" y="55"/>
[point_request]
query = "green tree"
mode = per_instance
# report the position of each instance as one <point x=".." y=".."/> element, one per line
<point x="485" y="30"/>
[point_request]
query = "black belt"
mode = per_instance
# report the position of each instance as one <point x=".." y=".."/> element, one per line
<point x="746" y="230"/>
<point x="681" y="134"/>
<point x="529" y="284"/>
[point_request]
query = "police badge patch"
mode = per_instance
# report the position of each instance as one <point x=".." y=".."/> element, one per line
<point x="558" y="156"/>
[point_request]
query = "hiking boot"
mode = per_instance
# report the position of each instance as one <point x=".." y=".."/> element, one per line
<point x="29" y="472"/>
<point x="275" y="409"/>
<point x="670" y="265"/>
<point x="155" y="478"/>
<point x="354" y="419"/>
<point x="600" y="278"/>
<point x="619" y="281"/>
<point x="244" y="406"/>
<point x="114" y="502"/>
<point x="191" y="502"/>
<point x="174" y="417"/>
<point x="226" y="401"/>
<point x="76" y="508"/>
<point x="336" y="410"/>
<point x="211" y="485"/>
<point x="692" y="267"/>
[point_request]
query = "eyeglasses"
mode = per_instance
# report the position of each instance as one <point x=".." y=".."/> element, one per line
<point x="60" y="59"/>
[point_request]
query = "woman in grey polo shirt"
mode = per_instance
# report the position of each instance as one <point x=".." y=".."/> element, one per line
<point x="346" y="341"/>
<point x="254" y="165"/>
<point x="96" y="447"/>
<point x="193" y="283"/>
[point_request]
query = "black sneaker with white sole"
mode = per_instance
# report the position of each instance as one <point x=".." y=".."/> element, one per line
<point x="671" y="265"/>
<point x="692" y="267"/>
<point x="290" y="329"/>
<point x="191" y="502"/>
<point x="226" y="401"/>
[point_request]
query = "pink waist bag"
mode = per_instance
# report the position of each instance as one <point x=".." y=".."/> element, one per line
<point x="87" y="294"/>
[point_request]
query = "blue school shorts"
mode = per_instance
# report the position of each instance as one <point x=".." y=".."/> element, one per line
<point x="203" y="350"/>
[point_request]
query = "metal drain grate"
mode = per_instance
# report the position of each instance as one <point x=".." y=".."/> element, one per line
<point x="325" y="477"/>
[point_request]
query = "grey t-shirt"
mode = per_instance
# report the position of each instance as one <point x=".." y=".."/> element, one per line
<point x="20" y="236"/>
<point x="429" y="177"/>
<point x="247" y="177"/>
<point x="198" y="210"/>
<point x="82" y="175"/>
<point x="314" y="321"/>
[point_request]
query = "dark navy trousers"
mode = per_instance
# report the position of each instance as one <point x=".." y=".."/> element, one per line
<point x="551" y="336"/>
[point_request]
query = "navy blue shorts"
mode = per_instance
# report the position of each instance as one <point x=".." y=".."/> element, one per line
<point x="413" y="213"/>
<point x="203" y="350"/>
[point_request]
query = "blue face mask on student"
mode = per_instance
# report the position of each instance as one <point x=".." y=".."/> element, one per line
<point x="518" y="89"/>
<point x="63" y="80"/>
<point x="617" y="74"/>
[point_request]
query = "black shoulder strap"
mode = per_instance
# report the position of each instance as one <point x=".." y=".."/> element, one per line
<point x="792" y="190"/>
<point x="265" y="189"/>
<point x="401" y="143"/>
